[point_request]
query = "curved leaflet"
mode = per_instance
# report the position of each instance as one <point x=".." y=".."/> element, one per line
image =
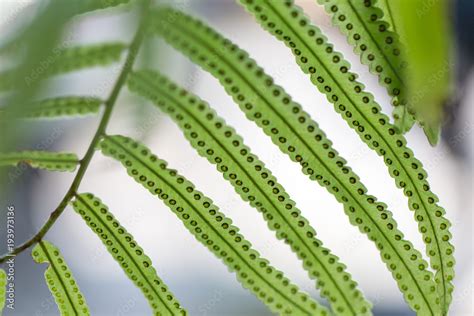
<point x="128" y="254"/>
<point x="301" y="139"/>
<point x="52" y="161"/>
<point x="3" y="284"/>
<point x="378" y="47"/>
<point x="330" y="73"/>
<point x="60" y="107"/>
<point x="221" y="145"/>
<point x="68" y="60"/>
<point x="212" y="228"/>
<point x="60" y="281"/>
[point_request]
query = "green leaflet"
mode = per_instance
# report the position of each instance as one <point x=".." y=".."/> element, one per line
<point x="330" y="73"/>
<point x="298" y="136"/>
<point x="125" y="250"/>
<point x="92" y="5"/>
<point x="221" y="145"/>
<point x="378" y="47"/>
<point x="52" y="161"/>
<point x="212" y="228"/>
<point x="60" y="281"/>
<point x="67" y="60"/>
<point x="60" y="107"/>
<point x="427" y="36"/>
<point x="3" y="284"/>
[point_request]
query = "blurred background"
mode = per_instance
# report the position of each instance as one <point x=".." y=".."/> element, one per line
<point x="198" y="279"/>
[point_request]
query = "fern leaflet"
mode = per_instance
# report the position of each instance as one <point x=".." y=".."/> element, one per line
<point x="60" y="281"/>
<point x="378" y="47"/>
<point x="3" y="284"/>
<point x="299" y="137"/>
<point x="60" y="107"/>
<point x="92" y="5"/>
<point x="330" y="73"/>
<point x="67" y="60"/>
<point x="128" y="254"/>
<point x="211" y="227"/>
<point x="51" y="161"/>
<point x="222" y="146"/>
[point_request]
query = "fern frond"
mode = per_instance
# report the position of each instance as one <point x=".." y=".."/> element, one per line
<point x="378" y="47"/>
<point x="128" y="254"/>
<point x="3" y="284"/>
<point x="301" y="139"/>
<point x="52" y="161"/>
<point x="67" y="60"/>
<point x="61" y="283"/>
<point x="212" y="228"/>
<point x="221" y="145"/>
<point x="61" y="107"/>
<point x="330" y="73"/>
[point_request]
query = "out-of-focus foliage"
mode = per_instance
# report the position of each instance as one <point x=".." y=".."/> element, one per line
<point x="423" y="27"/>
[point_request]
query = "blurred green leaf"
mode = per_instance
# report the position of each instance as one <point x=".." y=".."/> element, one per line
<point x="424" y="28"/>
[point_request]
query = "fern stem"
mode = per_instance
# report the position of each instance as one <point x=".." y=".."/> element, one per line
<point x="84" y="163"/>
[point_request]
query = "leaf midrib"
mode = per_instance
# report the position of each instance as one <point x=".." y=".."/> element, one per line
<point x="205" y="220"/>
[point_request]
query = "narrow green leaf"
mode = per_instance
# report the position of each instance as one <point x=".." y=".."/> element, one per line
<point x="300" y="138"/>
<point x="60" y="107"/>
<point x="93" y="5"/>
<point x="426" y="31"/>
<point x="3" y="284"/>
<point x="211" y="227"/>
<point x="221" y="145"/>
<point x="377" y="46"/>
<point x="128" y="254"/>
<point x="68" y="60"/>
<point x="330" y="73"/>
<point x="47" y="160"/>
<point x="60" y="281"/>
<point x="80" y="57"/>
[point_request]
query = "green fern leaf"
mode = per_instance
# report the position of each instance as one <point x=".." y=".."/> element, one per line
<point x="93" y="5"/>
<point x="60" y="281"/>
<point x="299" y="137"/>
<point x="378" y="47"/>
<point x="76" y="58"/>
<point x="330" y="73"/>
<point x="68" y="60"/>
<point x="125" y="250"/>
<point x="60" y="107"/>
<point x="212" y="228"/>
<point x="426" y="32"/>
<point x="221" y="145"/>
<point x="51" y="161"/>
<point x="3" y="284"/>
